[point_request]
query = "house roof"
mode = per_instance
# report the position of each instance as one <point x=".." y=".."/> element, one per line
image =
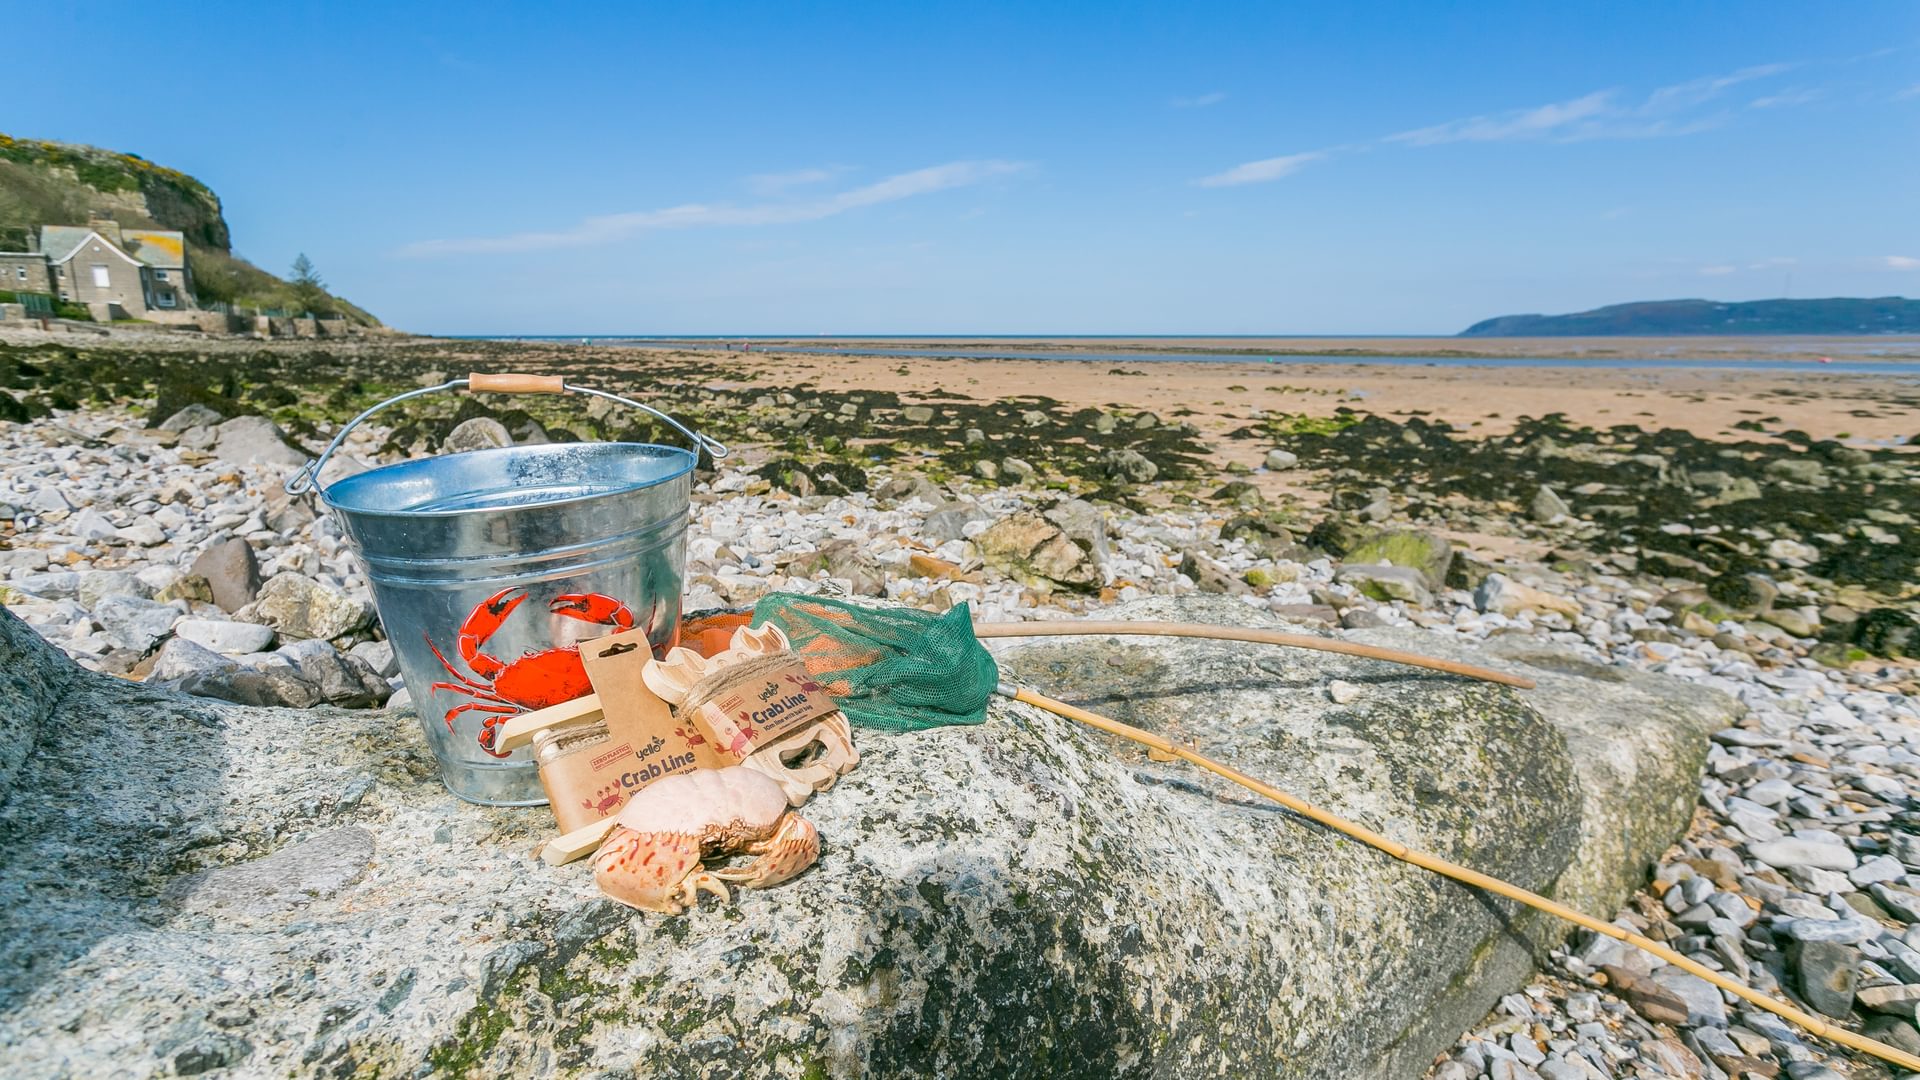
<point x="157" y="247"/>
<point x="153" y="247"/>
<point x="57" y="242"/>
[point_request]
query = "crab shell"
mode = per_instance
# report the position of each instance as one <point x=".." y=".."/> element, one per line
<point x="653" y="859"/>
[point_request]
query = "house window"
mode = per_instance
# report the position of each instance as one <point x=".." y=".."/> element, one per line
<point x="159" y="275"/>
<point x="165" y="298"/>
<point x="20" y="272"/>
<point x="100" y="278"/>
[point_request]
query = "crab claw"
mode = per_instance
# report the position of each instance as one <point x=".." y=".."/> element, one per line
<point x="593" y="608"/>
<point x="793" y="847"/>
<point x="486" y="618"/>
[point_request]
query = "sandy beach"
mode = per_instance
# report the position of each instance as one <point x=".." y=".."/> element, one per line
<point x="1224" y="396"/>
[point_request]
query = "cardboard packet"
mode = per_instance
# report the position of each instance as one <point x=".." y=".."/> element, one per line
<point x="591" y="769"/>
<point x="746" y="715"/>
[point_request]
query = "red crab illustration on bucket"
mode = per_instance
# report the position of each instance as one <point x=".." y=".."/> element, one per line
<point x="535" y="680"/>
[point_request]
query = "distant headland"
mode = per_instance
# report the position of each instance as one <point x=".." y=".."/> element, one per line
<point x="1661" y="318"/>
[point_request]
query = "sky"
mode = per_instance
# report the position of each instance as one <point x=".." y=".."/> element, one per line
<point x="1005" y="169"/>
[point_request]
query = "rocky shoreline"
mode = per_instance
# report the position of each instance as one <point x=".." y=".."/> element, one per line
<point x="143" y="531"/>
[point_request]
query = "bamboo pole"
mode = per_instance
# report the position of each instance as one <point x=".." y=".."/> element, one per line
<point x="1236" y="633"/>
<point x="1478" y="880"/>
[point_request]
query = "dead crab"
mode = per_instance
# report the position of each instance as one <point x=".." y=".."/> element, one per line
<point x="654" y="859"/>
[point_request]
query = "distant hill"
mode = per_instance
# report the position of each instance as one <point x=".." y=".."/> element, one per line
<point x="1658" y="318"/>
<point x="51" y="183"/>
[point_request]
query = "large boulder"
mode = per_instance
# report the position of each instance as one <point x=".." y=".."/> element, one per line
<point x="186" y="885"/>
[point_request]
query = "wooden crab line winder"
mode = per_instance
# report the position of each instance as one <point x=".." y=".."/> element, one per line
<point x="489" y="566"/>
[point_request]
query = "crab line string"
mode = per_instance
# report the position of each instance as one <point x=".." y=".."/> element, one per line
<point x="1466" y="876"/>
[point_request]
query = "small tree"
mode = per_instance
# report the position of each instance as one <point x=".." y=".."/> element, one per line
<point x="308" y="289"/>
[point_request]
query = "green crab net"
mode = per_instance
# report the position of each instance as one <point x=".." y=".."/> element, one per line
<point x="891" y="669"/>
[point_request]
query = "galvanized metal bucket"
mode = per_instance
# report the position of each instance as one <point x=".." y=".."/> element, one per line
<point x="488" y="567"/>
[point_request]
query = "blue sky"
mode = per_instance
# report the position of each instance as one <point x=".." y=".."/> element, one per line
<point x="1090" y="168"/>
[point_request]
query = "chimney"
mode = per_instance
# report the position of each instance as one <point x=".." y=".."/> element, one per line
<point x="33" y="241"/>
<point x="101" y="221"/>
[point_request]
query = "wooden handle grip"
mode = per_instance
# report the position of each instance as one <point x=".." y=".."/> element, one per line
<point x="510" y="382"/>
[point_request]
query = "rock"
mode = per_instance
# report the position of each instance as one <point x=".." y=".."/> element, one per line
<point x="1414" y="549"/>
<point x="1793" y="621"/>
<point x="22" y="559"/>
<point x="1342" y="692"/>
<point x="130" y="622"/>
<point x="1652" y="1000"/>
<point x="194" y="415"/>
<point x="179" y="658"/>
<point x="1127" y="466"/>
<point x="268" y="685"/>
<point x="909" y="486"/>
<point x="476" y="433"/>
<point x="1895" y="998"/>
<point x="97" y="585"/>
<point x="378" y="655"/>
<point x="986" y="470"/>
<point x="1382" y="582"/>
<point x="1788" y="852"/>
<point x="300" y="607"/>
<point x="254" y="440"/>
<point x="1827" y="973"/>
<point x="1279" y="460"/>
<point x="1502" y="595"/>
<point x="230" y="638"/>
<point x="1047" y="877"/>
<point x="1745" y="593"/>
<point x="1904" y="904"/>
<point x="974" y="437"/>
<point x="232" y="573"/>
<point x="1548" y="507"/>
<point x="189" y="587"/>
<point x="340" y="678"/>
<point x="917" y="414"/>
<point x="1035" y="552"/>
<point x="1209" y="576"/>
<point x="848" y="560"/>
<point x="48" y="500"/>
<point x="1877" y="869"/>
<point x="1239" y="493"/>
<point x="1797" y="470"/>
<point x="1083" y="523"/>
<point x="950" y="520"/>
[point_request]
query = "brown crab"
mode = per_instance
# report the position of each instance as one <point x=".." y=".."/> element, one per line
<point x="654" y="860"/>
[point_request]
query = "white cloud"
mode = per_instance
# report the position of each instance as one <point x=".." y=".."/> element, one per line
<point x="1259" y="172"/>
<point x="766" y="184"/>
<point x="1716" y="271"/>
<point x="1533" y="123"/>
<point x="1200" y="101"/>
<point x="1908" y="94"/>
<point x="1666" y="112"/>
<point x="1696" y="92"/>
<point x="1786" y="98"/>
<point x="1901" y="262"/>
<point x="607" y="228"/>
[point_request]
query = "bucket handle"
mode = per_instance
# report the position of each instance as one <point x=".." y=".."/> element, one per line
<point x="307" y="479"/>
